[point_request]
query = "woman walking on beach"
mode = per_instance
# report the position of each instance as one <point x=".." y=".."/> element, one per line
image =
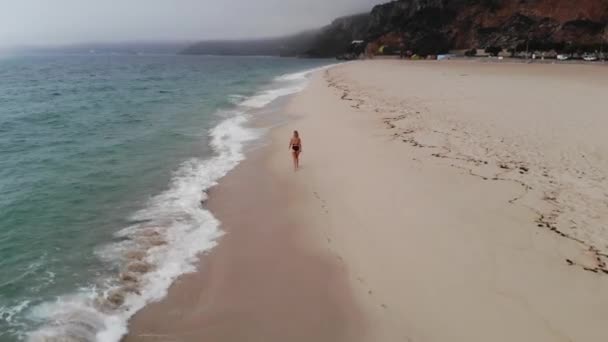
<point x="295" y="145"/>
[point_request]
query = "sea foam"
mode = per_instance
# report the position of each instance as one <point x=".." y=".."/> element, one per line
<point x="171" y="231"/>
<point x="294" y="83"/>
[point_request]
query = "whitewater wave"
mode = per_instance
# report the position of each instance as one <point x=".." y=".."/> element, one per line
<point x="302" y="76"/>
<point x="294" y="83"/>
<point x="165" y="239"/>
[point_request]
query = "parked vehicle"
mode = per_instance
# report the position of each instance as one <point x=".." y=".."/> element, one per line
<point x="590" y="57"/>
<point x="562" y="57"/>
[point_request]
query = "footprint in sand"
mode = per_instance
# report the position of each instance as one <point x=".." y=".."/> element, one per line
<point x="323" y="203"/>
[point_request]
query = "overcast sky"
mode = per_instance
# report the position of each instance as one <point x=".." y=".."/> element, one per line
<point x="72" y="21"/>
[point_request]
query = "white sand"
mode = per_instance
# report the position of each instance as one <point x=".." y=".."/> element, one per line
<point x="430" y="181"/>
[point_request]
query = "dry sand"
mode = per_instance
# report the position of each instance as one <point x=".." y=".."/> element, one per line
<point x="437" y="201"/>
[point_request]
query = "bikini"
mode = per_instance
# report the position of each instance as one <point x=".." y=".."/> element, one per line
<point x="296" y="148"/>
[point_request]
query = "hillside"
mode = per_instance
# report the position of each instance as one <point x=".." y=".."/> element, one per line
<point x="335" y="38"/>
<point x="326" y="42"/>
<point x="437" y="26"/>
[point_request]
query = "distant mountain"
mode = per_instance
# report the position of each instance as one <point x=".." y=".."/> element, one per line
<point x="294" y="45"/>
<point x="326" y="42"/>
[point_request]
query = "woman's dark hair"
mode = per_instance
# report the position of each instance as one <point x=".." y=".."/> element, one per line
<point x="296" y="134"/>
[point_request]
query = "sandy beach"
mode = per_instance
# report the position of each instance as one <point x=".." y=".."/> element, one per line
<point x="437" y="201"/>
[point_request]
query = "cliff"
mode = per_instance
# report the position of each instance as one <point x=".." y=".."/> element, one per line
<point x="434" y="26"/>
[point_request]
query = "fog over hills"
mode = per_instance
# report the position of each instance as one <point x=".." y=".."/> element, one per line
<point x="67" y="22"/>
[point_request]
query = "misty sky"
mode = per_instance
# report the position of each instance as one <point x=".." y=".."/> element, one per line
<point x="71" y="21"/>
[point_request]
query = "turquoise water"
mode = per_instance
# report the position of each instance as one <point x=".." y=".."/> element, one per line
<point x="96" y="151"/>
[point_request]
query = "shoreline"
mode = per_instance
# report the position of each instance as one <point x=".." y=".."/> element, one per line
<point x="267" y="280"/>
<point x="306" y="296"/>
<point x="417" y="208"/>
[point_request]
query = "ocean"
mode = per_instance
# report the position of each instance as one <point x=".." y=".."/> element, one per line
<point x="104" y="166"/>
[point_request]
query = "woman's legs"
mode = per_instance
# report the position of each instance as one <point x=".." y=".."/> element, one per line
<point x="294" y="155"/>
